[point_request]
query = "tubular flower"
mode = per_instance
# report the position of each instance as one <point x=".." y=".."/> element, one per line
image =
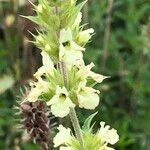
<point x="85" y="72"/>
<point x="98" y="141"/>
<point x="37" y="88"/>
<point x="85" y="36"/>
<point x="47" y="63"/>
<point x="62" y="137"/>
<point x="47" y="68"/>
<point x="88" y="97"/>
<point x="69" y="50"/>
<point x="60" y="103"/>
<point x="107" y="135"/>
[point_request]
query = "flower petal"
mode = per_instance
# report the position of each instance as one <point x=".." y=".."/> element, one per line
<point x="85" y="71"/>
<point x="85" y="36"/>
<point x="40" y="72"/>
<point x="112" y="136"/>
<point x="65" y="35"/>
<point x="72" y="57"/>
<point x="47" y="62"/>
<point x="69" y="55"/>
<point x="97" y="77"/>
<point x="108" y="135"/>
<point x="53" y="100"/>
<point x="40" y="87"/>
<point x="62" y="108"/>
<point x="61" y="91"/>
<point x="61" y="103"/>
<point x="88" y="98"/>
<point x="62" y="137"/>
<point x="74" y="46"/>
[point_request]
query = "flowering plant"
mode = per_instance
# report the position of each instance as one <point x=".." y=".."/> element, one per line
<point x="64" y="82"/>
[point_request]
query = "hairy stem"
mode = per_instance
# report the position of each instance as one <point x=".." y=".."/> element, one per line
<point x="73" y="116"/>
<point x="62" y="67"/>
<point x="76" y="125"/>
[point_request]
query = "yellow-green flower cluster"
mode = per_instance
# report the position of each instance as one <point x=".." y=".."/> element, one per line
<point x="62" y="41"/>
<point x="78" y="92"/>
<point x="64" y="82"/>
<point x="99" y="141"/>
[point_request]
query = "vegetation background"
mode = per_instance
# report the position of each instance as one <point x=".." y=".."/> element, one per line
<point x="120" y="49"/>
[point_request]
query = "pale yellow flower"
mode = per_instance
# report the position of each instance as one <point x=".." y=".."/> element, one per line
<point x="62" y="137"/>
<point x="85" y="36"/>
<point x="39" y="73"/>
<point x="85" y="71"/>
<point x="37" y="89"/>
<point x="108" y="135"/>
<point x="71" y="57"/>
<point x="41" y="86"/>
<point x="109" y="148"/>
<point x="60" y="103"/>
<point x="47" y="68"/>
<point x="47" y="63"/>
<point x="69" y="50"/>
<point x="88" y="97"/>
<point x="67" y="141"/>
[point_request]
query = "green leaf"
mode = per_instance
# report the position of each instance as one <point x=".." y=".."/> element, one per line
<point x="87" y="124"/>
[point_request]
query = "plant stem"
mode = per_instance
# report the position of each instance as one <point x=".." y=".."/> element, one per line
<point x="73" y="116"/>
<point x="62" y="67"/>
<point x="76" y="125"/>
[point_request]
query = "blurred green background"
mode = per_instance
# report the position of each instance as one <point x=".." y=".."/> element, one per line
<point x="120" y="49"/>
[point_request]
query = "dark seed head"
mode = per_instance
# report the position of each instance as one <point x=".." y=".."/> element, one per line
<point x="35" y="122"/>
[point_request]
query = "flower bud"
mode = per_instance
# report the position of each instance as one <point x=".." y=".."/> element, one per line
<point x="47" y="47"/>
<point x="40" y="8"/>
<point x="85" y="36"/>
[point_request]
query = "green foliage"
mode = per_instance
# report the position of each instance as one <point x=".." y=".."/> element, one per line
<point x="124" y="100"/>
